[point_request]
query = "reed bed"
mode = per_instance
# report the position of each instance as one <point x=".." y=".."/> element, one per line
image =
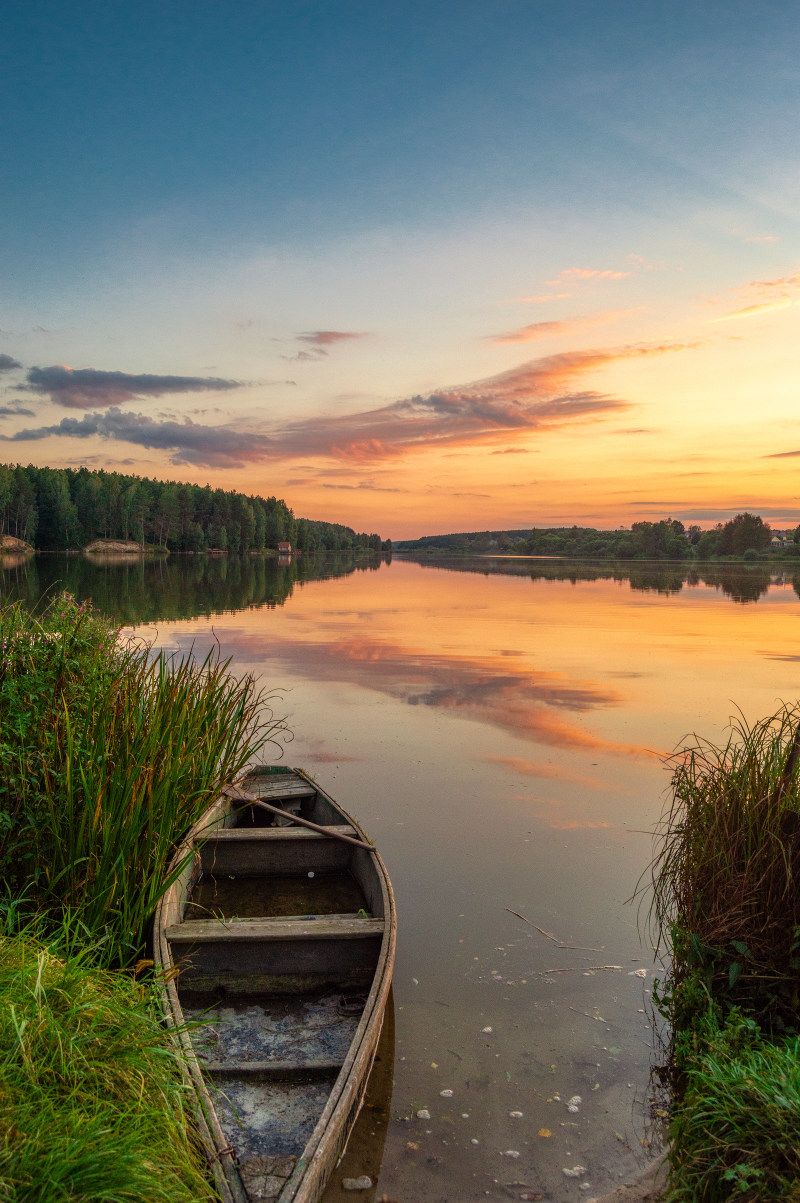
<point x="727" y="876"/>
<point x="92" y="1103"/>
<point x="726" y="883"/>
<point x="108" y="753"/>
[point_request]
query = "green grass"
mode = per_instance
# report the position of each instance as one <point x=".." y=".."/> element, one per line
<point x="736" y="1133"/>
<point x="92" y="1104"/>
<point x="107" y="755"/>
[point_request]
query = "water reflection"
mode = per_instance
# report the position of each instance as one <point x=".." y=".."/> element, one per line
<point x="741" y="582"/>
<point x="138" y="591"/>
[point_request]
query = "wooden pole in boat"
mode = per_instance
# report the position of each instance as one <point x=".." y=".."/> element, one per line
<point x="240" y="796"/>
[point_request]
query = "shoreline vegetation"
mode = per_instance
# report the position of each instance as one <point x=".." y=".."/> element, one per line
<point x="746" y="538"/>
<point x="108" y="754"/>
<point x="726" y="904"/>
<point x="65" y="509"/>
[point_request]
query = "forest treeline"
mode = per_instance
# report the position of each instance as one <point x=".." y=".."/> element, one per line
<point x="56" y="509"/>
<point x="746" y="535"/>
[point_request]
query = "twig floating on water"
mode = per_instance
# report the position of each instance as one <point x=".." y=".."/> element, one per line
<point x="581" y="968"/>
<point x="550" y="936"/>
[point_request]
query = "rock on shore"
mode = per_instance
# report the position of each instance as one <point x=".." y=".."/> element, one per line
<point x="13" y="546"/>
<point x="116" y="547"/>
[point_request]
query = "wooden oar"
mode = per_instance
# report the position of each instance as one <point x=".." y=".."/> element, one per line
<point x="240" y="796"/>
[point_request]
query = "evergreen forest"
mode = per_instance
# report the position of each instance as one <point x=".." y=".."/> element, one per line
<point x="57" y="509"/>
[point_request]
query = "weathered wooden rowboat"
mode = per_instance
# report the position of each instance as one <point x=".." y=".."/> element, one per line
<point x="278" y="938"/>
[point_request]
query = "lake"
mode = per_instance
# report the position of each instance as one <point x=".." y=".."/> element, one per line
<point x="497" y="725"/>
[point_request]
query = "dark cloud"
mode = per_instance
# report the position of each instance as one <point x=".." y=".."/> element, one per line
<point x="9" y="411"/>
<point x="189" y="442"/>
<point x="319" y="340"/>
<point x="781" y="455"/>
<point x="8" y="363"/>
<point x="82" y="388"/>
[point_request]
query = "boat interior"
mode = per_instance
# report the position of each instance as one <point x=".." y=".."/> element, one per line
<point x="277" y="948"/>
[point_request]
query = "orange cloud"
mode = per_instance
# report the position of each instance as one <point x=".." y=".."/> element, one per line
<point x="543" y="298"/>
<point x="762" y="296"/>
<point x="529" y="334"/>
<point x="588" y="273"/>
<point x="754" y="310"/>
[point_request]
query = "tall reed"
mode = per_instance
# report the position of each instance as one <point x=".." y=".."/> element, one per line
<point x="727" y="874"/>
<point x="108" y="753"/>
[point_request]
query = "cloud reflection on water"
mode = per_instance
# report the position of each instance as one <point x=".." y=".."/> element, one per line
<point x="494" y="690"/>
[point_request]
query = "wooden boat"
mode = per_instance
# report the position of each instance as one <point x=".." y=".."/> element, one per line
<point x="277" y="941"/>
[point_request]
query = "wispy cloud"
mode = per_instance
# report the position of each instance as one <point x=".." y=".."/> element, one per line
<point x="587" y="273"/>
<point x="537" y="330"/>
<point x="755" y="310"/>
<point x="8" y="363"/>
<point x="315" y="343"/>
<point x="82" y="388"/>
<point x="543" y="298"/>
<point x="760" y="296"/>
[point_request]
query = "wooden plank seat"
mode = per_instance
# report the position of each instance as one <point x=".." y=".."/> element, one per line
<point x="267" y="851"/>
<point x="317" y="927"/>
<point x="272" y="790"/>
<point x="266" y="835"/>
<point x="264" y="951"/>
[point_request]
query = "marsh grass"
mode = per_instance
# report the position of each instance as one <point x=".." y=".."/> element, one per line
<point x="92" y="1103"/>
<point x="726" y="890"/>
<point x="727" y="876"/>
<point x="108" y="753"/>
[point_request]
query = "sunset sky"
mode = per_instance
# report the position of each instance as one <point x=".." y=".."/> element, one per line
<point x="412" y="267"/>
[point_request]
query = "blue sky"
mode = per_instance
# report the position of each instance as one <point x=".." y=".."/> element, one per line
<point x="342" y="208"/>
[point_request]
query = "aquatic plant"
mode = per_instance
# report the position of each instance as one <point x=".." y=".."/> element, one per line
<point x="108" y="753"/>
<point x="92" y="1102"/>
<point x="727" y="873"/>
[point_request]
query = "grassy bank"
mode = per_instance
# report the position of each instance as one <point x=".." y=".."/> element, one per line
<point x="92" y="1104"/>
<point x="727" y="898"/>
<point x="108" y="753"/>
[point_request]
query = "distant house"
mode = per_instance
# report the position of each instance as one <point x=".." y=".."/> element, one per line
<point x="285" y="549"/>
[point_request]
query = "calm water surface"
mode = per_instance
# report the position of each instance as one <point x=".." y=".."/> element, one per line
<point x="493" y="725"/>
